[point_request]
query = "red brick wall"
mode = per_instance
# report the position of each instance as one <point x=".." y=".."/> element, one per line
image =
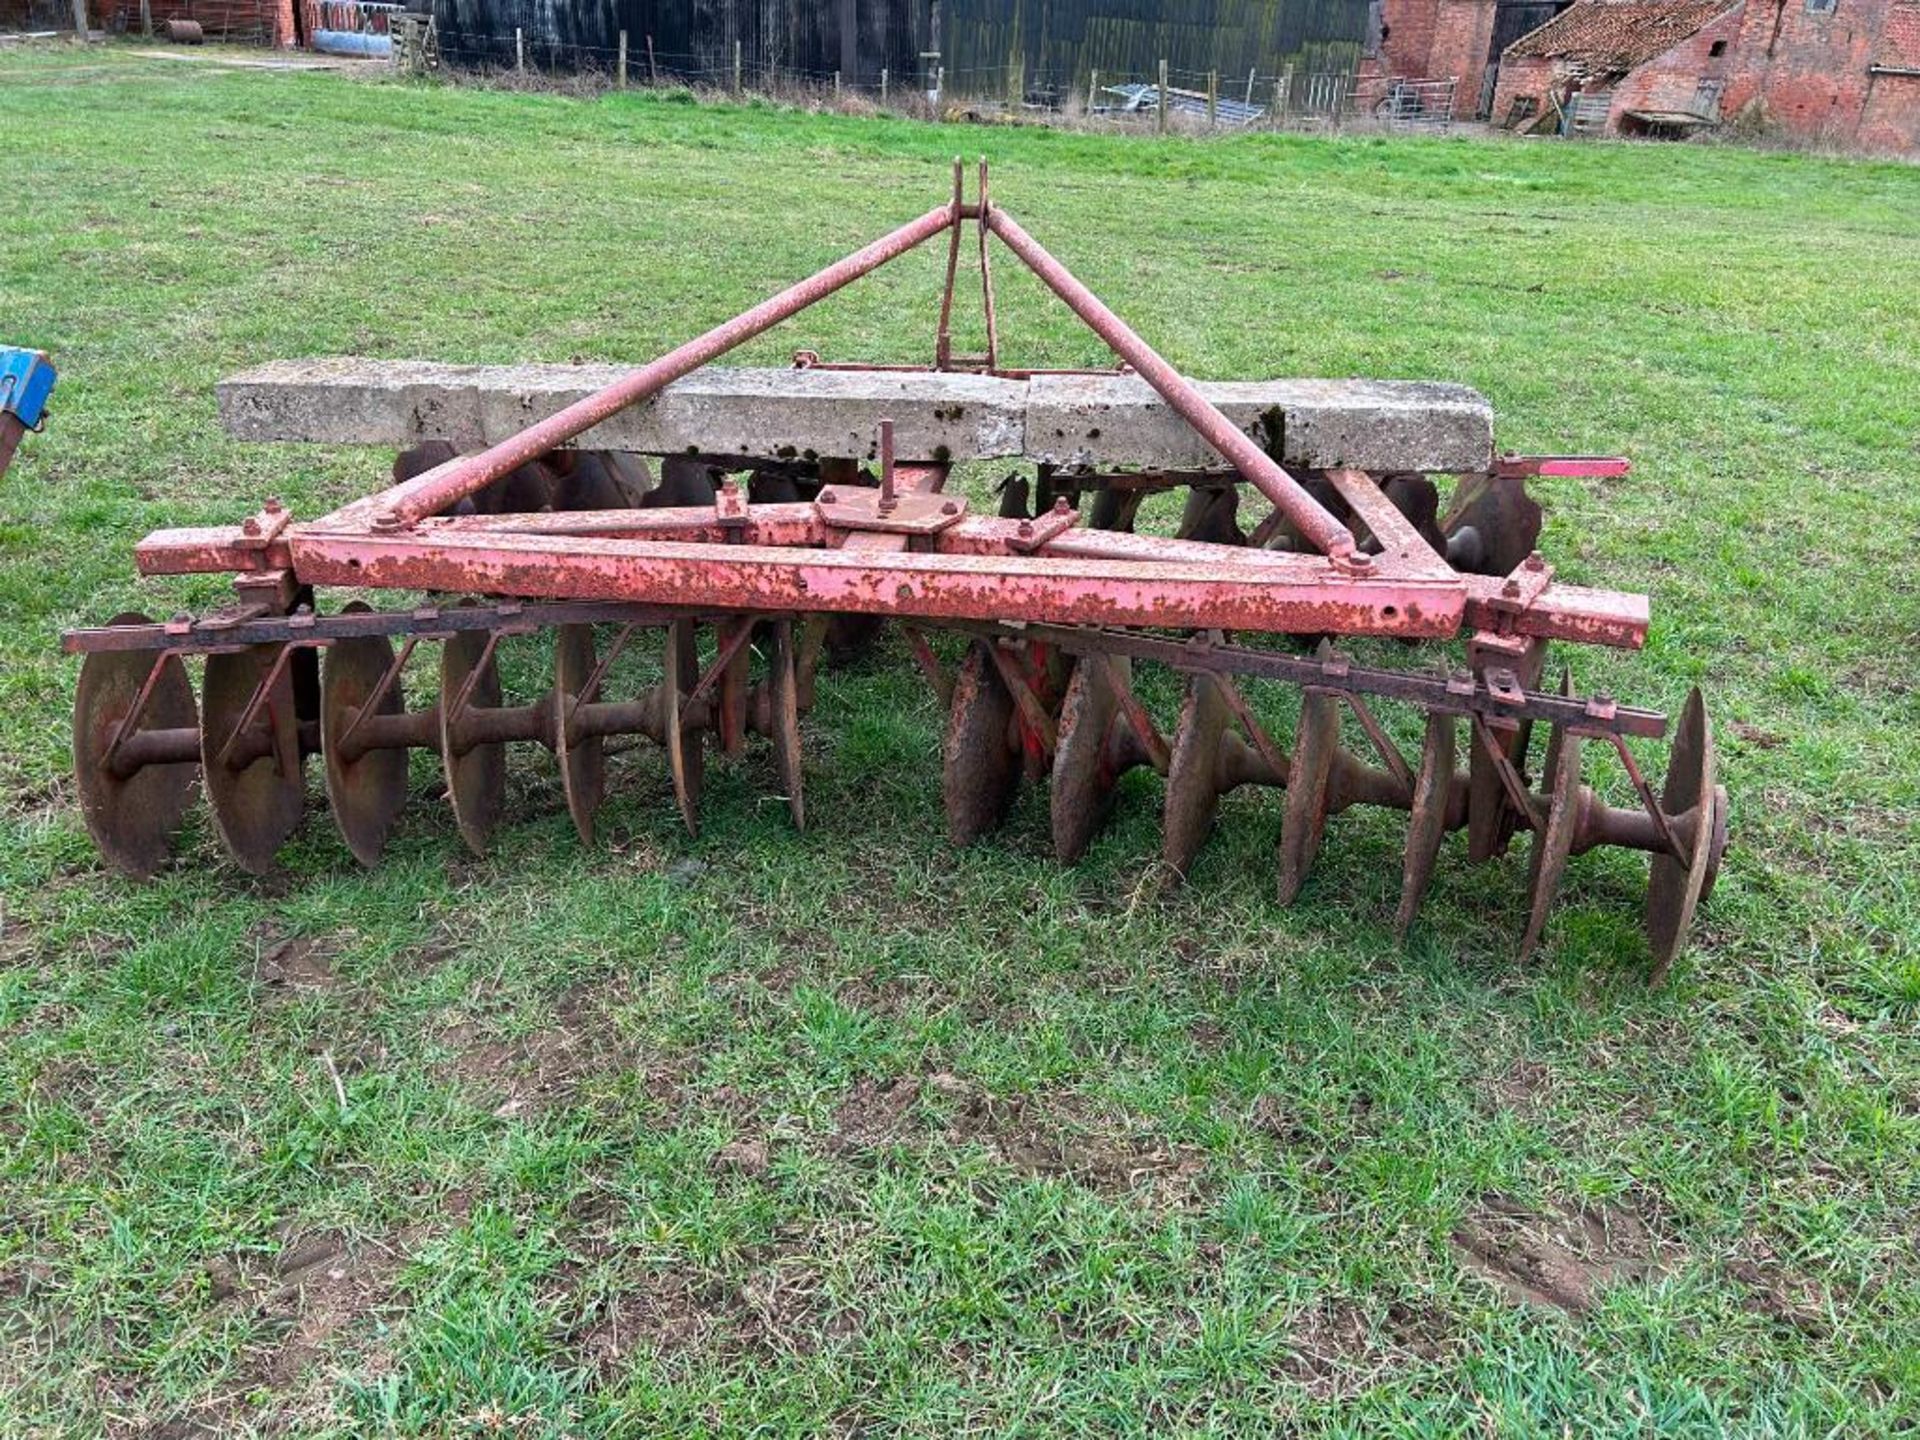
<point x="1533" y="76"/>
<point x="1409" y="41"/>
<point x="1809" y="71"/>
<point x="1890" y="117"/>
<point x="1462" y="33"/>
<point x="1439" y="40"/>
<point x="1672" y="81"/>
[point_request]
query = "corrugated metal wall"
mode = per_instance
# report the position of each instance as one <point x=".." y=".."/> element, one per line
<point x="986" y="46"/>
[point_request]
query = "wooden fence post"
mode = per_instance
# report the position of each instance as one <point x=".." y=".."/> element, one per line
<point x="1282" y="94"/>
<point x="146" y="19"/>
<point x="519" y="49"/>
<point x="622" y="68"/>
<point x="1163" y="97"/>
<point x="1093" y="91"/>
<point x="836" y="87"/>
<point x="653" y="70"/>
<point x="883" y="87"/>
<point x="736" y="67"/>
<point x="1016" y="90"/>
<point x="1249" y="91"/>
<point x="1213" y="99"/>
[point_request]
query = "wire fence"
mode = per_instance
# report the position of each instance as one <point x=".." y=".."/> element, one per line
<point x="1169" y="100"/>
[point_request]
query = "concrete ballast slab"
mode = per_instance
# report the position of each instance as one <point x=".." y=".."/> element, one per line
<point x="1105" y="420"/>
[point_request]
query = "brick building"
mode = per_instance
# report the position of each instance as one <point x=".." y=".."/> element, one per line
<point x="1843" y="70"/>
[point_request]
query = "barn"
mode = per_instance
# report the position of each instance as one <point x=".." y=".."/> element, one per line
<point x="997" y="47"/>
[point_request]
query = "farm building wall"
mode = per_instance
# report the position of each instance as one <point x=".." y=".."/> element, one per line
<point x="1678" y="79"/>
<point x="986" y="46"/>
<point x="1848" y="73"/>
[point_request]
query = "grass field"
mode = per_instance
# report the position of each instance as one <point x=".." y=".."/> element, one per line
<point x="848" y="1132"/>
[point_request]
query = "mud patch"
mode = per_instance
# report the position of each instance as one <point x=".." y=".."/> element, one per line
<point x="1561" y="1260"/>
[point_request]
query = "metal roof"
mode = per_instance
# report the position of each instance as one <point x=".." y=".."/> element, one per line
<point x="1186" y="102"/>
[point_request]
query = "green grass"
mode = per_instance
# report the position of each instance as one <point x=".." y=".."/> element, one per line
<point x="850" y="1132"/>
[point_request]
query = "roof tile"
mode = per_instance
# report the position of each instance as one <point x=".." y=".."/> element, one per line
<point x="1615" y="35"/>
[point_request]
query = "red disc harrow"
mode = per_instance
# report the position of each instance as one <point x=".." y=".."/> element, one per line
<point x="737" y="562"/>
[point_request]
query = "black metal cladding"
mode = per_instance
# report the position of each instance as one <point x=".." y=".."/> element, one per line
<point x="987" y="46"/>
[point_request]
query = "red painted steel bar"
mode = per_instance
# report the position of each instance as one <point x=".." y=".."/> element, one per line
<point x="439" y="490"/>
<point x="1294" y="594"/>
<point x="1327" y="533"/>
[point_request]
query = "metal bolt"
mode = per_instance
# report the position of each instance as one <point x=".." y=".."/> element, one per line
<point x="1026" y="529"/>
<point x="1536" y="562"/>
<point x="387" y="520"/>
<point x="827" y="497"/>
<point x="949" y="508"/>
<point x="250" y="526"/>
<point x="1511" y="588"/>
<point x="273" y="505"/>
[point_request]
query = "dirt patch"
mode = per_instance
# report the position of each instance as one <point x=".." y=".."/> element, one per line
<point x="1780" y="1295"/>
<point x="293" y="962"/>
<point x="315" y="1288"/>
<point x="1560" y="1260"/>
<point x="655" y="1312"/>
<point x="1523" y="1087"/>
<point x="1063" y="1136"/>
<point x="874" y="1114"/>
<point x="745" y="1156"/>
<point x="528" y="1075"/>
<point x="1337" y="1349"/>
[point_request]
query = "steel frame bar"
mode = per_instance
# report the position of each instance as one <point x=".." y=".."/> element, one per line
<point x="1312" y="520"/>
<point x="442" y="488"/>
<point x="1463" y="694"/>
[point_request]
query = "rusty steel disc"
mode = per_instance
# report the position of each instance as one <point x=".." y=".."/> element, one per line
<point x="476" y="773"/>
<point x="365" y="788"/>
<point x="1193" y="773"/>
<point x="1718" y="846"/>
<point x="1492" y="525"/>
<point x="1303" y="821"/>
<point x="981" y="768"/>
<point x="686" y="744"/>
<point x="257" y="792"/>
<point x="1674" y="888"/>
<point x="1491" y="817"/>
<point x="583" y="768"/>
<point x="1418" y="498"/>
<point x="134" y="816"/>
<point x="1427" y="826"/>
<point x="1208" y="517"/>
<point x="784" y="690"/>
<point x="1553" y="839"/>
<point x="1083" y="777"/>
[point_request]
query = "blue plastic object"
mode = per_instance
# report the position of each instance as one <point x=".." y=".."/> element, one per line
<point x="26" y="379"/>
